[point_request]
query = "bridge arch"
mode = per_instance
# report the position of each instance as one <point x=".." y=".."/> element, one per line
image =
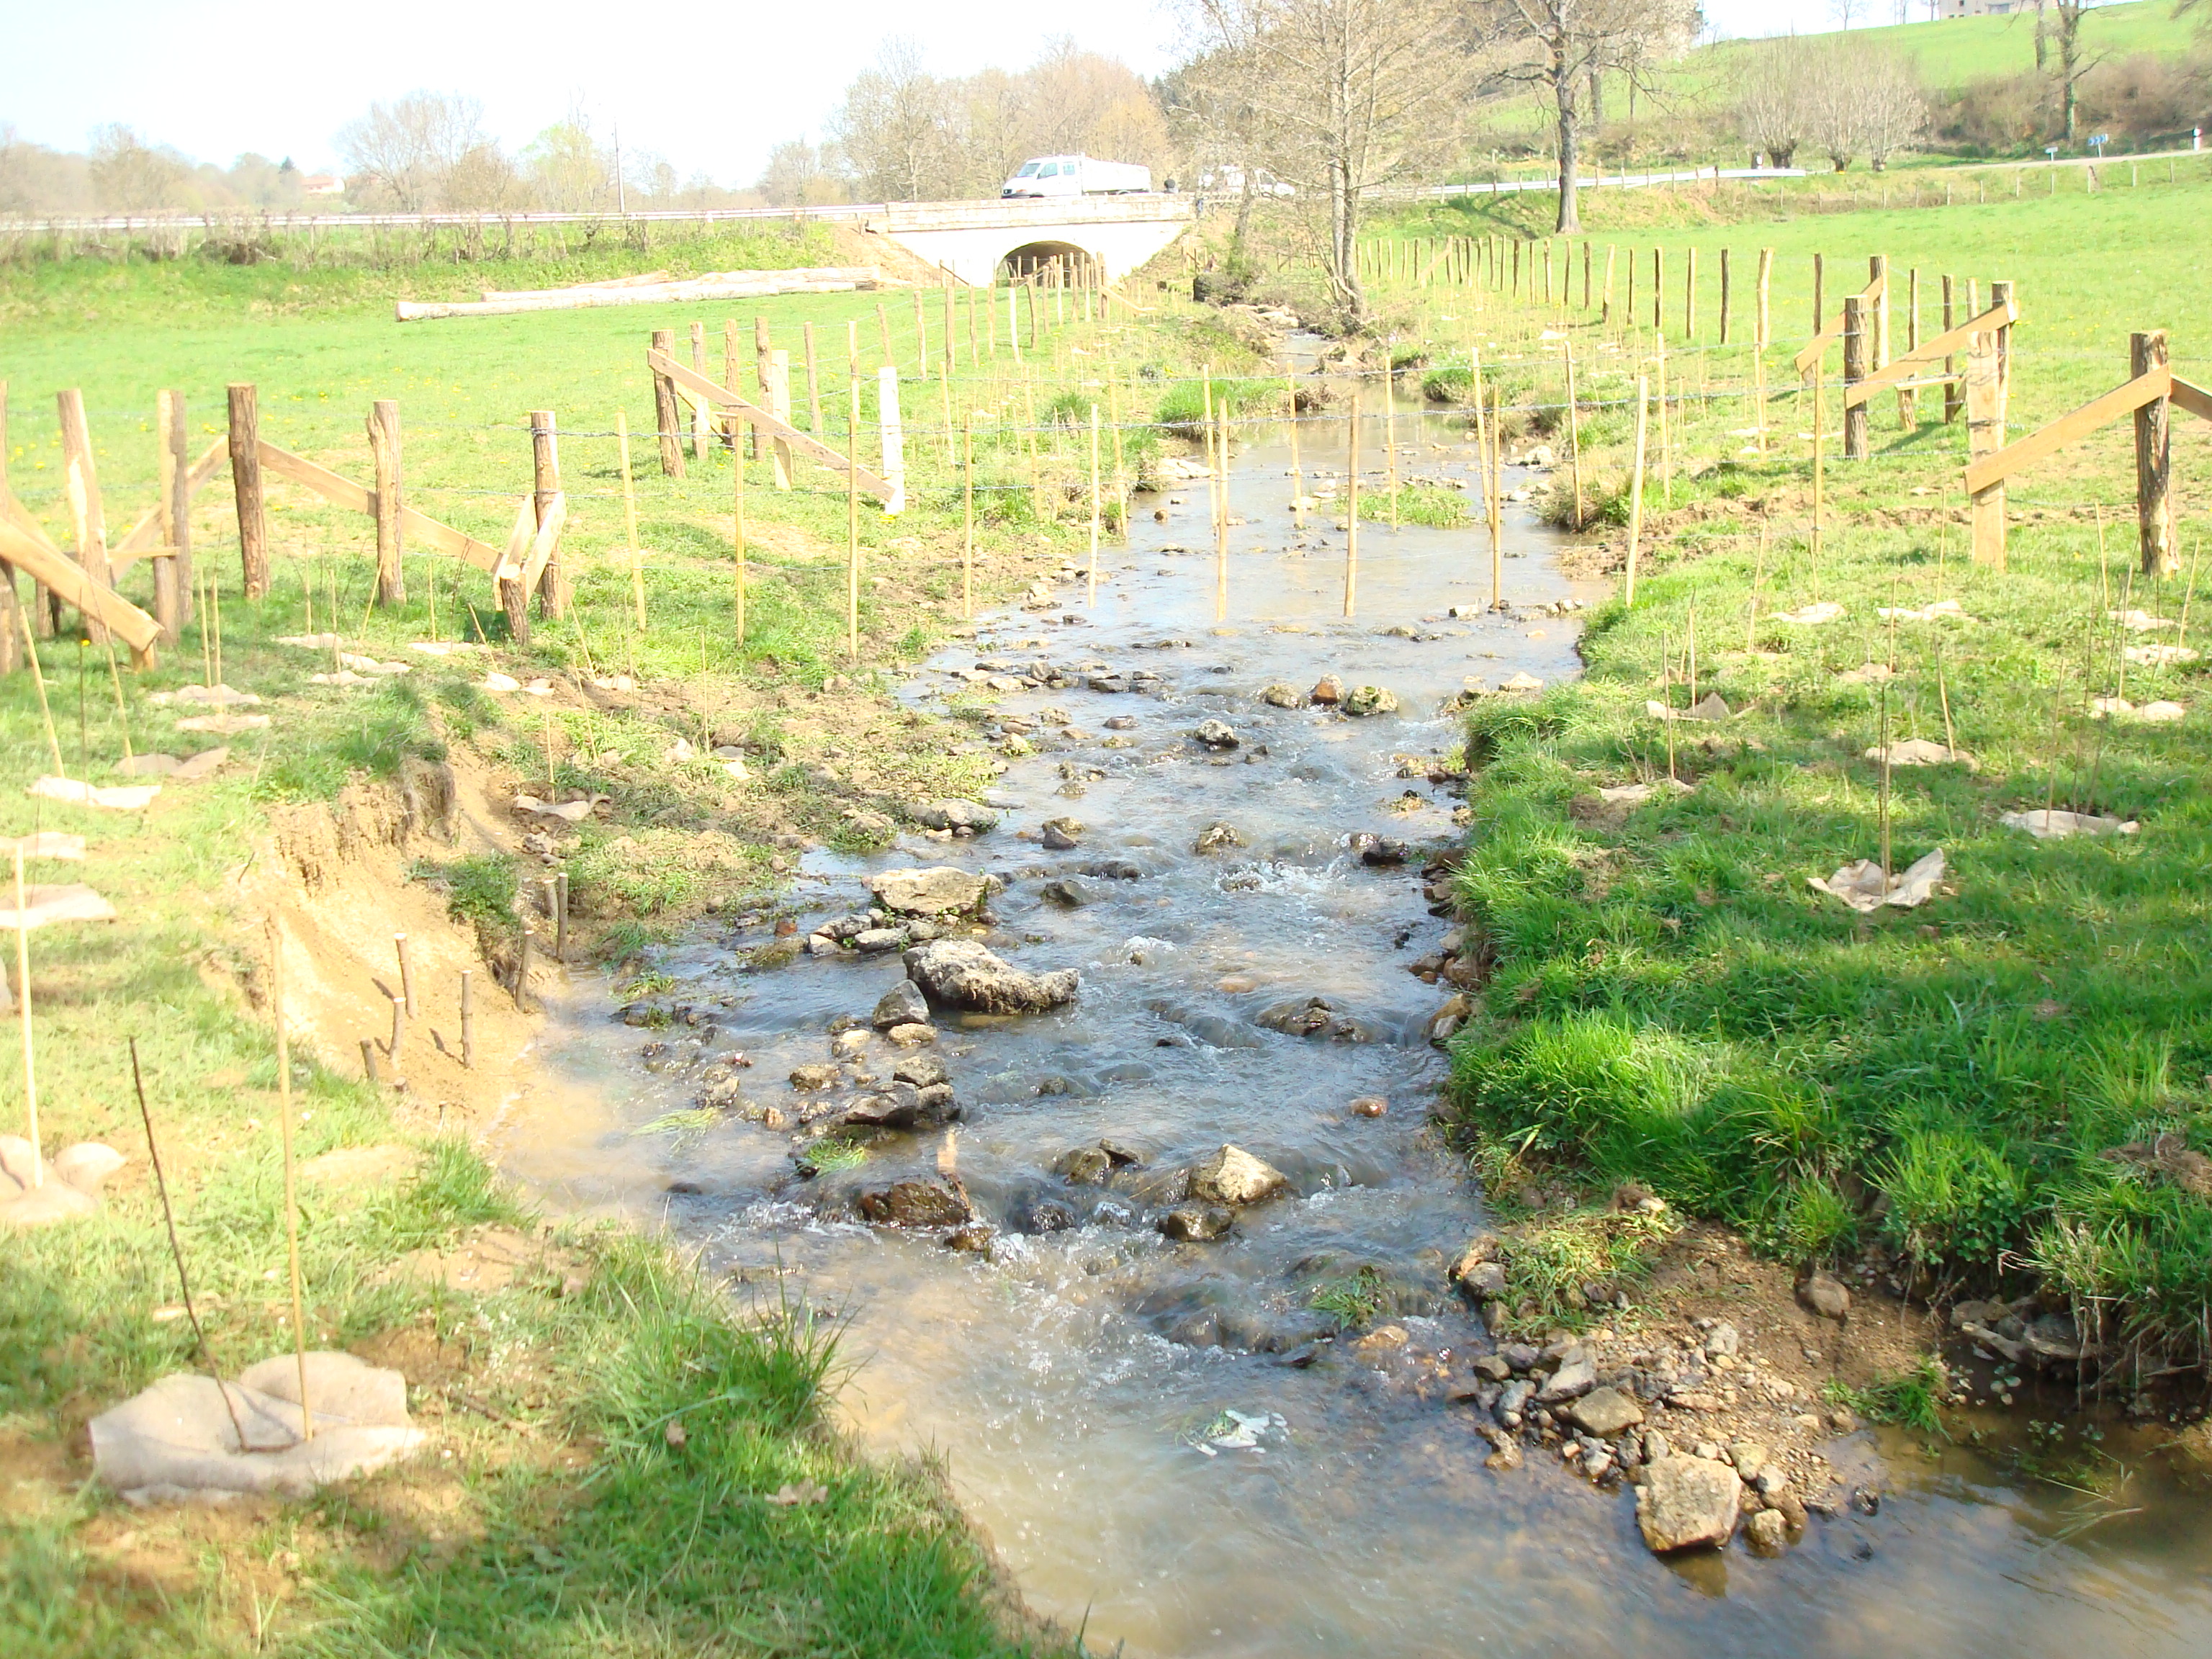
<point x="972" y="241"/>
<point x="1035" y="258"/>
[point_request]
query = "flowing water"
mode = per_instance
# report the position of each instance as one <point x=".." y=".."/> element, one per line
<point x="1078" y="1378"/>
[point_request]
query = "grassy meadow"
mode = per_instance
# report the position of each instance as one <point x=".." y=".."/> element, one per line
<point x="561" y="1515"/>
<point x="1942" y="1090"/>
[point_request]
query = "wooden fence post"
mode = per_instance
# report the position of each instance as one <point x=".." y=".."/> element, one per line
<point x="1658" y="289"/>
<point x="1857" y="345"/>
<point x="892" y="431"/>
<point x="87" y="518"/>
<point x="10" y="598"/>
<point x="2000" y="295"/>
<point x="2154" y="503"/>
<point x="701" y="422"/>
<point x="1690" y="294"/>
<point x="1636" y="491"/>
<point x="545" y="477"/>
<point x="1954" y="397"/>
<point x="763" y="347"/>
<point x="1725" y="296"/>
<point x="245" y="489"/>
<point x="1986" y="436"/>
<point x="1819" y="303"/>
<point x="173" y="576"/>
<point x="667" y="418"/>
<point x="384" y="455"/>
<point x="1908" y="400"/>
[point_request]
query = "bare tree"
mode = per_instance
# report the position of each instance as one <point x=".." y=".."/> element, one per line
<point x="802" y="174"/>
<point x="1771" y="97"/>
<point x="131" y="176"/>
<point x="1846" y="12"/>
<point x="1893" y="109"/>
<point x="1344" y="96"/>
<point x="568" y="167"/>
<point x="894" y="126"/>
<point x="2065" y="31"/>
<point x="1565" y="46"/>
<point x="407" y="151"/>
<point x="1831" y="101"/>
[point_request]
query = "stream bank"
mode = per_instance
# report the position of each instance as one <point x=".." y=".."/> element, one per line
<point x="1267" y="1441"/>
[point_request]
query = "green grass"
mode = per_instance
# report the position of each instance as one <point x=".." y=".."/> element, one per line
<point x="1670" y="1003"/>
<point x="1910" y="1400"/>
<point x="581" y="1527"/>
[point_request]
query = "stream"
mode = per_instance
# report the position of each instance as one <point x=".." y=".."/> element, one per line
<point x="1078" y="1379"/>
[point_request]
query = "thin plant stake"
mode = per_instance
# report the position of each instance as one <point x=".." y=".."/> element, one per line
<point x="738" y="532"/>
<point x="115" y="679"/>
<point x="2189" y="594"/>
<point x="630" y="519"/>
<point x="1635" y="491"/>
<point x="1390" y="434"/>
<point x="1352" y="498"/>
<point x="1667" y="696"/>
<point x="853" y="522"/>
<point x="968" y="516"/>
<point x="38" y="680"/>
<point x="291" y="1175"/>
<point x="23" y="1002"/>
<point x="1093" y="600"/>
<point x="1574" y="435"/>
<point x="1943" y="692"/>
<point x="177" y="1249"/>
<point x="1885" y="785"/>
<point x="1221" y="523"/>
<point x="1758" y="576"/>
<point x="1298" y="474"/>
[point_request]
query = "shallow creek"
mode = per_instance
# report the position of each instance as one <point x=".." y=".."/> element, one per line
<point x="1077" y="1379"/>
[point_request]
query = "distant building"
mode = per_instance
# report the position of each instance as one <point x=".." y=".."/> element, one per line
<point x="1982" y="8"/>
<point x="322" y="183"/>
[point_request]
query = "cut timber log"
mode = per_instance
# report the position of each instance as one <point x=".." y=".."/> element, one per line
<point x="699" y="386"/>
<point x="726" y="285"/>
<point x="27" y="548"/>
<point x="1943" y="345"/>
<point x="1817" y="348"/>
<point x="1995" y="468"/>
<point x="344" y="492"/>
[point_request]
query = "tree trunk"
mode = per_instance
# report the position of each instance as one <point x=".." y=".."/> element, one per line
<point x="1563" y="94"/>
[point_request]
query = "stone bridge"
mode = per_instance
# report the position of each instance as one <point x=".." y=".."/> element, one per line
<point x="974" y="240"/>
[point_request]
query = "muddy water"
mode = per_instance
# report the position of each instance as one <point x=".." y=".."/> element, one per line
<point x="1078" y="1380"/>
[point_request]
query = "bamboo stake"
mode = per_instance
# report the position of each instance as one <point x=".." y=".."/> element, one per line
<point x="23" y="1004"/>
<point x="1121" y="473"/>
<point x="853" y="520"/>
<point x="1666" y="444"/>
<point x="1092" y="601"/>
<point x="1390" y="409"/>
<point x="1221" y="529"/>
<point x="1351" y="497"/>
<point x="1818" y="399"/>
<point x="1574" y="434"/>
<point x="1758" y="578"/>
<point x="1635" y="491"/>
<point x="968" y="516"/>
<point x="629" y="515"/>
<point x="468" y="1020"/>
<point x="38" y="680"/>
<point x="737" y="538"/>
<point x="1298" y="474"/>
<point x="1666" y="697"/>
<point x="406" y="971"/>
<point x="1885" y="785"/>
<point x="291" y="1172"/>
<point x="176" y="1248"/>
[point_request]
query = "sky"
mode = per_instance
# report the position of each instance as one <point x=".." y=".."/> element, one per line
<point x="710" y="88"/>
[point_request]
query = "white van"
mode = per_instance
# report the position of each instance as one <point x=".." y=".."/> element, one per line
<point x="1077" y="175"/>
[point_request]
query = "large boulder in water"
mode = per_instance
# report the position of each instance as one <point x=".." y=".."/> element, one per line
<point x="959" y="973"/>
<point x="1687" y="1502"/>
<point x="1233" y="1176"/>
<point x="961" y="816"/>
<point x="928" y="892"/>
<point x="917" y="1204"/>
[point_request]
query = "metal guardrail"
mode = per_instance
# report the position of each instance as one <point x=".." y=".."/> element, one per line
<point x="235" y="218"/>
<point x="1616" y="181"/>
